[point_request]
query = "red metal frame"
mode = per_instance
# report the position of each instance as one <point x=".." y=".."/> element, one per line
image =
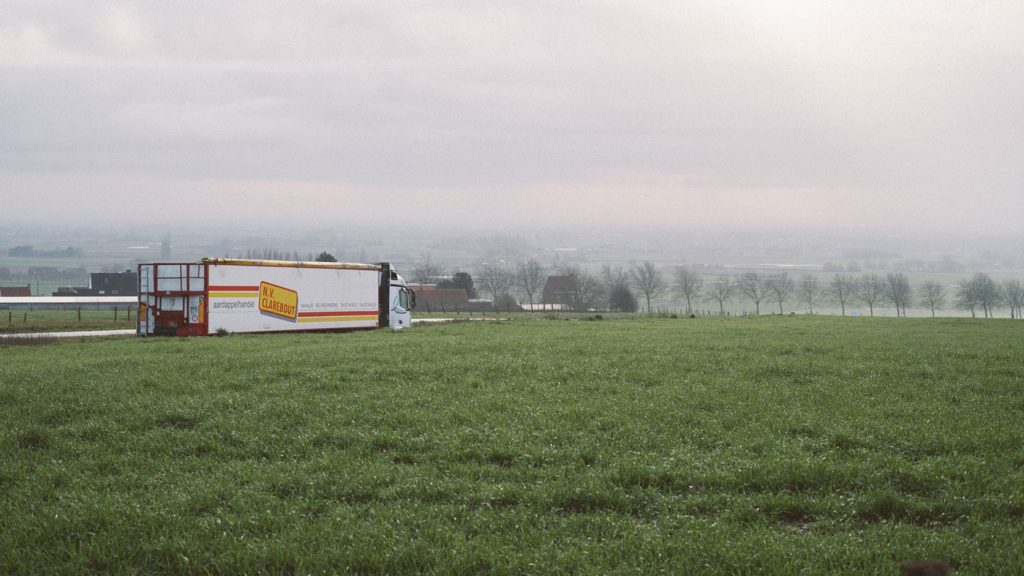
<point x="177" y="320"/>
<point x="206" y="299"/>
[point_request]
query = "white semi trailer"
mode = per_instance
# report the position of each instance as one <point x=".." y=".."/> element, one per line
<point x="219" y="295"/>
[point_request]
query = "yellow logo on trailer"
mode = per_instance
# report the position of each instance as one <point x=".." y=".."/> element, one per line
<point x="279" y="301"/>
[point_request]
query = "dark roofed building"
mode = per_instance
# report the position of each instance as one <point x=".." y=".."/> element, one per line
<point x="114" y="283"/>
<point x="16" y="291"/>
<point x="105" y="284"/>
<point x="559" y="290"/>
<point x="430" y="298"/>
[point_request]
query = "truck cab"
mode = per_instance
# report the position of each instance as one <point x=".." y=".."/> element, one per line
<point x="403" y="300"/>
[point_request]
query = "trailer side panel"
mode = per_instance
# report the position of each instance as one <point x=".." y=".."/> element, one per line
<point x="282" y="298"/>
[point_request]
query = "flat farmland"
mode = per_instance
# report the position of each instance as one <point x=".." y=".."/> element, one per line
<point x="772" y="445"/>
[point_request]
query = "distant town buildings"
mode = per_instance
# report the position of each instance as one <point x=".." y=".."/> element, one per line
<point x="15" y="291"/>
<point x="430" y="298"/>
<point x="560" y="291"/>
<point x="105" y="284"/>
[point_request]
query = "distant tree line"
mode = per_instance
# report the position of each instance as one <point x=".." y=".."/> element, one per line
<point x="30" y="252"/>
<point x="460" y="280"/>
<point x="639" y="285"/>
<point x="614" y="288"/>
<point x="290" y="255"/>
<point x="980" y="294"/>
<point x="46" y="274"/>
<point x="275" y="254"/>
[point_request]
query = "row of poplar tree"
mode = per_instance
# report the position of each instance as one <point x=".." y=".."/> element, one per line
<point x="617" y="288"/>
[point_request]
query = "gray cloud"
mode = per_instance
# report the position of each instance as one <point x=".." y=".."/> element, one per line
<point x="869" y="113"/>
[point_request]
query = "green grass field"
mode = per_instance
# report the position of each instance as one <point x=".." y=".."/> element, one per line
<point x="22" y="321"/>
<point x="776" y="445"/>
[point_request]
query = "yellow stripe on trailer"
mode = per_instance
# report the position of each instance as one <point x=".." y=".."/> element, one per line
<point x="340" y="318"/>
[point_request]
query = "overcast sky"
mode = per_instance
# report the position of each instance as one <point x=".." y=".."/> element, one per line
<point x="862" y="113"/>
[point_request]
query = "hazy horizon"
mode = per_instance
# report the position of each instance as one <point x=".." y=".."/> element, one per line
<point x="860" y="116"/>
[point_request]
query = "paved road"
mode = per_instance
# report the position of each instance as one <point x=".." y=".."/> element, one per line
<point x="70" y="334"/>
<point x="132" y="332"/>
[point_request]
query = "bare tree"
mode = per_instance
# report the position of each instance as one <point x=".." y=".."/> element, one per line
<point x="898" y="291"/>
<point x="621" y="298"/>
<point x="617" y="288"/>
<point x="721" y="290"/>
<point x="528" y="277"/>
<point x="967" y="297"/>
<point x="780" y="287"/>
<point x="842" y="289"/>
<point x="981" y="291"/>
<point x="495" y="280"/>
<point x="689" y="283"/>
<point x="753" y="287"/>
<point x="614" y="276"/>
<point x="427" y="272"/>
<point x="870" y="289"/>
<point x="810" y="291"/>
<point x="648" y="281"/>
<point x="933" y="295"/>
<point x="1013" y="295"/>
<point x="989" y="293"/>
<point x="588" y="292"/>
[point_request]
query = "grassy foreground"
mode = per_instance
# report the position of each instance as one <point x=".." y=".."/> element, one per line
<point x="771" y="445"/>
